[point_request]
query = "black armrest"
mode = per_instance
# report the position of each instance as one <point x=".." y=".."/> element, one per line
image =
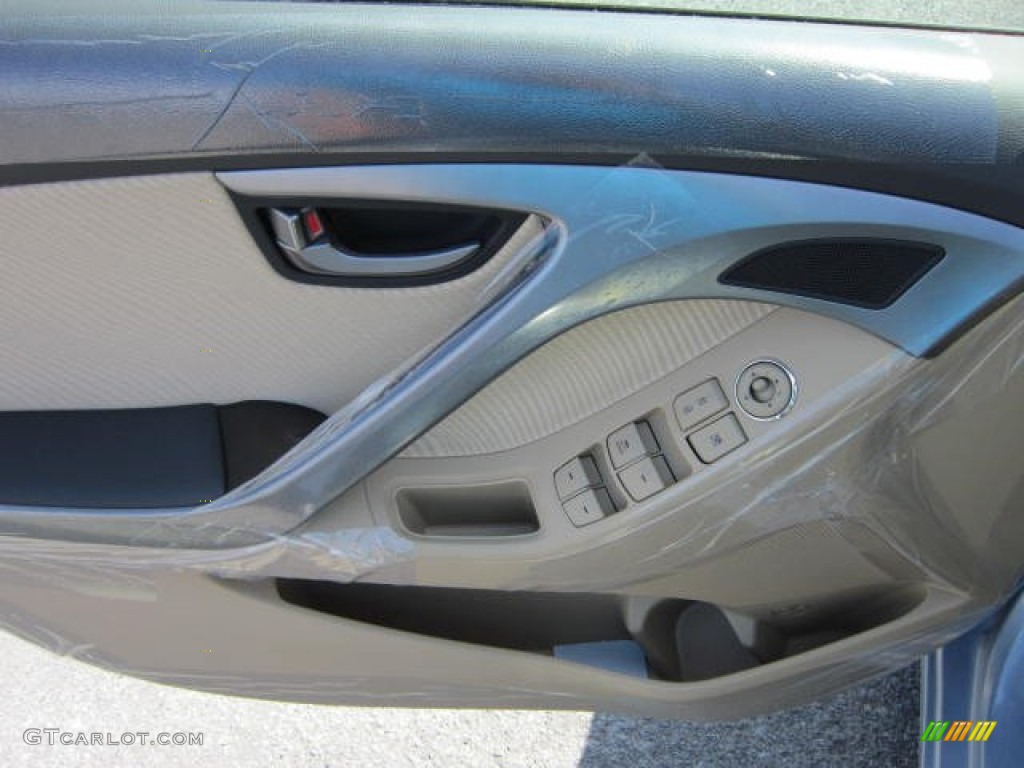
<point x="142" y="458"/>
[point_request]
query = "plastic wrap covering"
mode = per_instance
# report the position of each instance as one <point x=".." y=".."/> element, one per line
<point x="875" y="456"/>
<point x="888" y="456"/>
<point x="297" y="78"/>
<point x="877" y="460"/>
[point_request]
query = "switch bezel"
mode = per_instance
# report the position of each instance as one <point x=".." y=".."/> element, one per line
<point x="793" y="388"/>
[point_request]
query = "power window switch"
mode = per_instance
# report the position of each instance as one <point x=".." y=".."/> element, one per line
<point x="632" y="442"/>
<point x="697" y="404"/>
<point x="646" y="477"/>
<point x="717" y="439"/>
<point x="588" y="507"/>
<point x="575" y="476"/>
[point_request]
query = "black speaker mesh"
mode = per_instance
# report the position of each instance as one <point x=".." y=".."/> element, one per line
<point x="865" y="273"/>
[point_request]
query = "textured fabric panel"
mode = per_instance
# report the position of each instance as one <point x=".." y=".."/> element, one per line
<point x="583" y="371"/>
<point x="149" y="291"/>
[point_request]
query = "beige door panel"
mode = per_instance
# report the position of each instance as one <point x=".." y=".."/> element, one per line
<point x="837" y="527"/>
<point x="112" y="300"/>
<point x="189" y="630"/>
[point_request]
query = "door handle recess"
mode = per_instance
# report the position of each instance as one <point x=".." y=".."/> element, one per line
<point x="303" y="237"/>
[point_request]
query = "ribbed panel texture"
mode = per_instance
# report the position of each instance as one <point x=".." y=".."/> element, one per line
<point x="583" y="371"/>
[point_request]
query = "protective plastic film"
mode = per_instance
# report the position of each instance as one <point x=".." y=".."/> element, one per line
<point x="307" y="80"/>
<point x="890" y="457"/>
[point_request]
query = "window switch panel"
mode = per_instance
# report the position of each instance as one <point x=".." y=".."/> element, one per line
<point x="576" y="475"/>
<point x="588" y="507"/>
<point x="631" y="442"/>
<point x="646" y="477"/>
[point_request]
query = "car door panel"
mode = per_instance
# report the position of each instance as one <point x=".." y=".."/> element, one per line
<point x="151" y="292"/>
<point x="819" y="478"/>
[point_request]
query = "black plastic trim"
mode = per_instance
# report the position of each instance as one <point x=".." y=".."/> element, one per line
<point x="871" y="273"/>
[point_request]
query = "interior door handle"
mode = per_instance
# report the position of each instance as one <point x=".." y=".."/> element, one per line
<point x="301" y="236"/>
<point x="328" y="259"/>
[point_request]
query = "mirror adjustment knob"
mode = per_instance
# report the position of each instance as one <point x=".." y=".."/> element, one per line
<point x="766" y="389"/>
<point x="762" y="389"/>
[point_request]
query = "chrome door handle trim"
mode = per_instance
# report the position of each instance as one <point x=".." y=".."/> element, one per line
<point x="324" y="257"/>
<point x="327" y="259"/>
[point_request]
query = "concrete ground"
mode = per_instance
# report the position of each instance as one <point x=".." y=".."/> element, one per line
<point x="874" y="725"/>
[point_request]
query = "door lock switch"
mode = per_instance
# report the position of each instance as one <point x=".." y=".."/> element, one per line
<point x="718" y="438"/>
<point x="313" y="223"/>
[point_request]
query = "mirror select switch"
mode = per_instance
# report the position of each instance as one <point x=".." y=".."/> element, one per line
<point x="575" y="476"/>
<point x="699" y="403"/>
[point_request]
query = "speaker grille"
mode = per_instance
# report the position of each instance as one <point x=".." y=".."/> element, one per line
<point x="865" y="273"/>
